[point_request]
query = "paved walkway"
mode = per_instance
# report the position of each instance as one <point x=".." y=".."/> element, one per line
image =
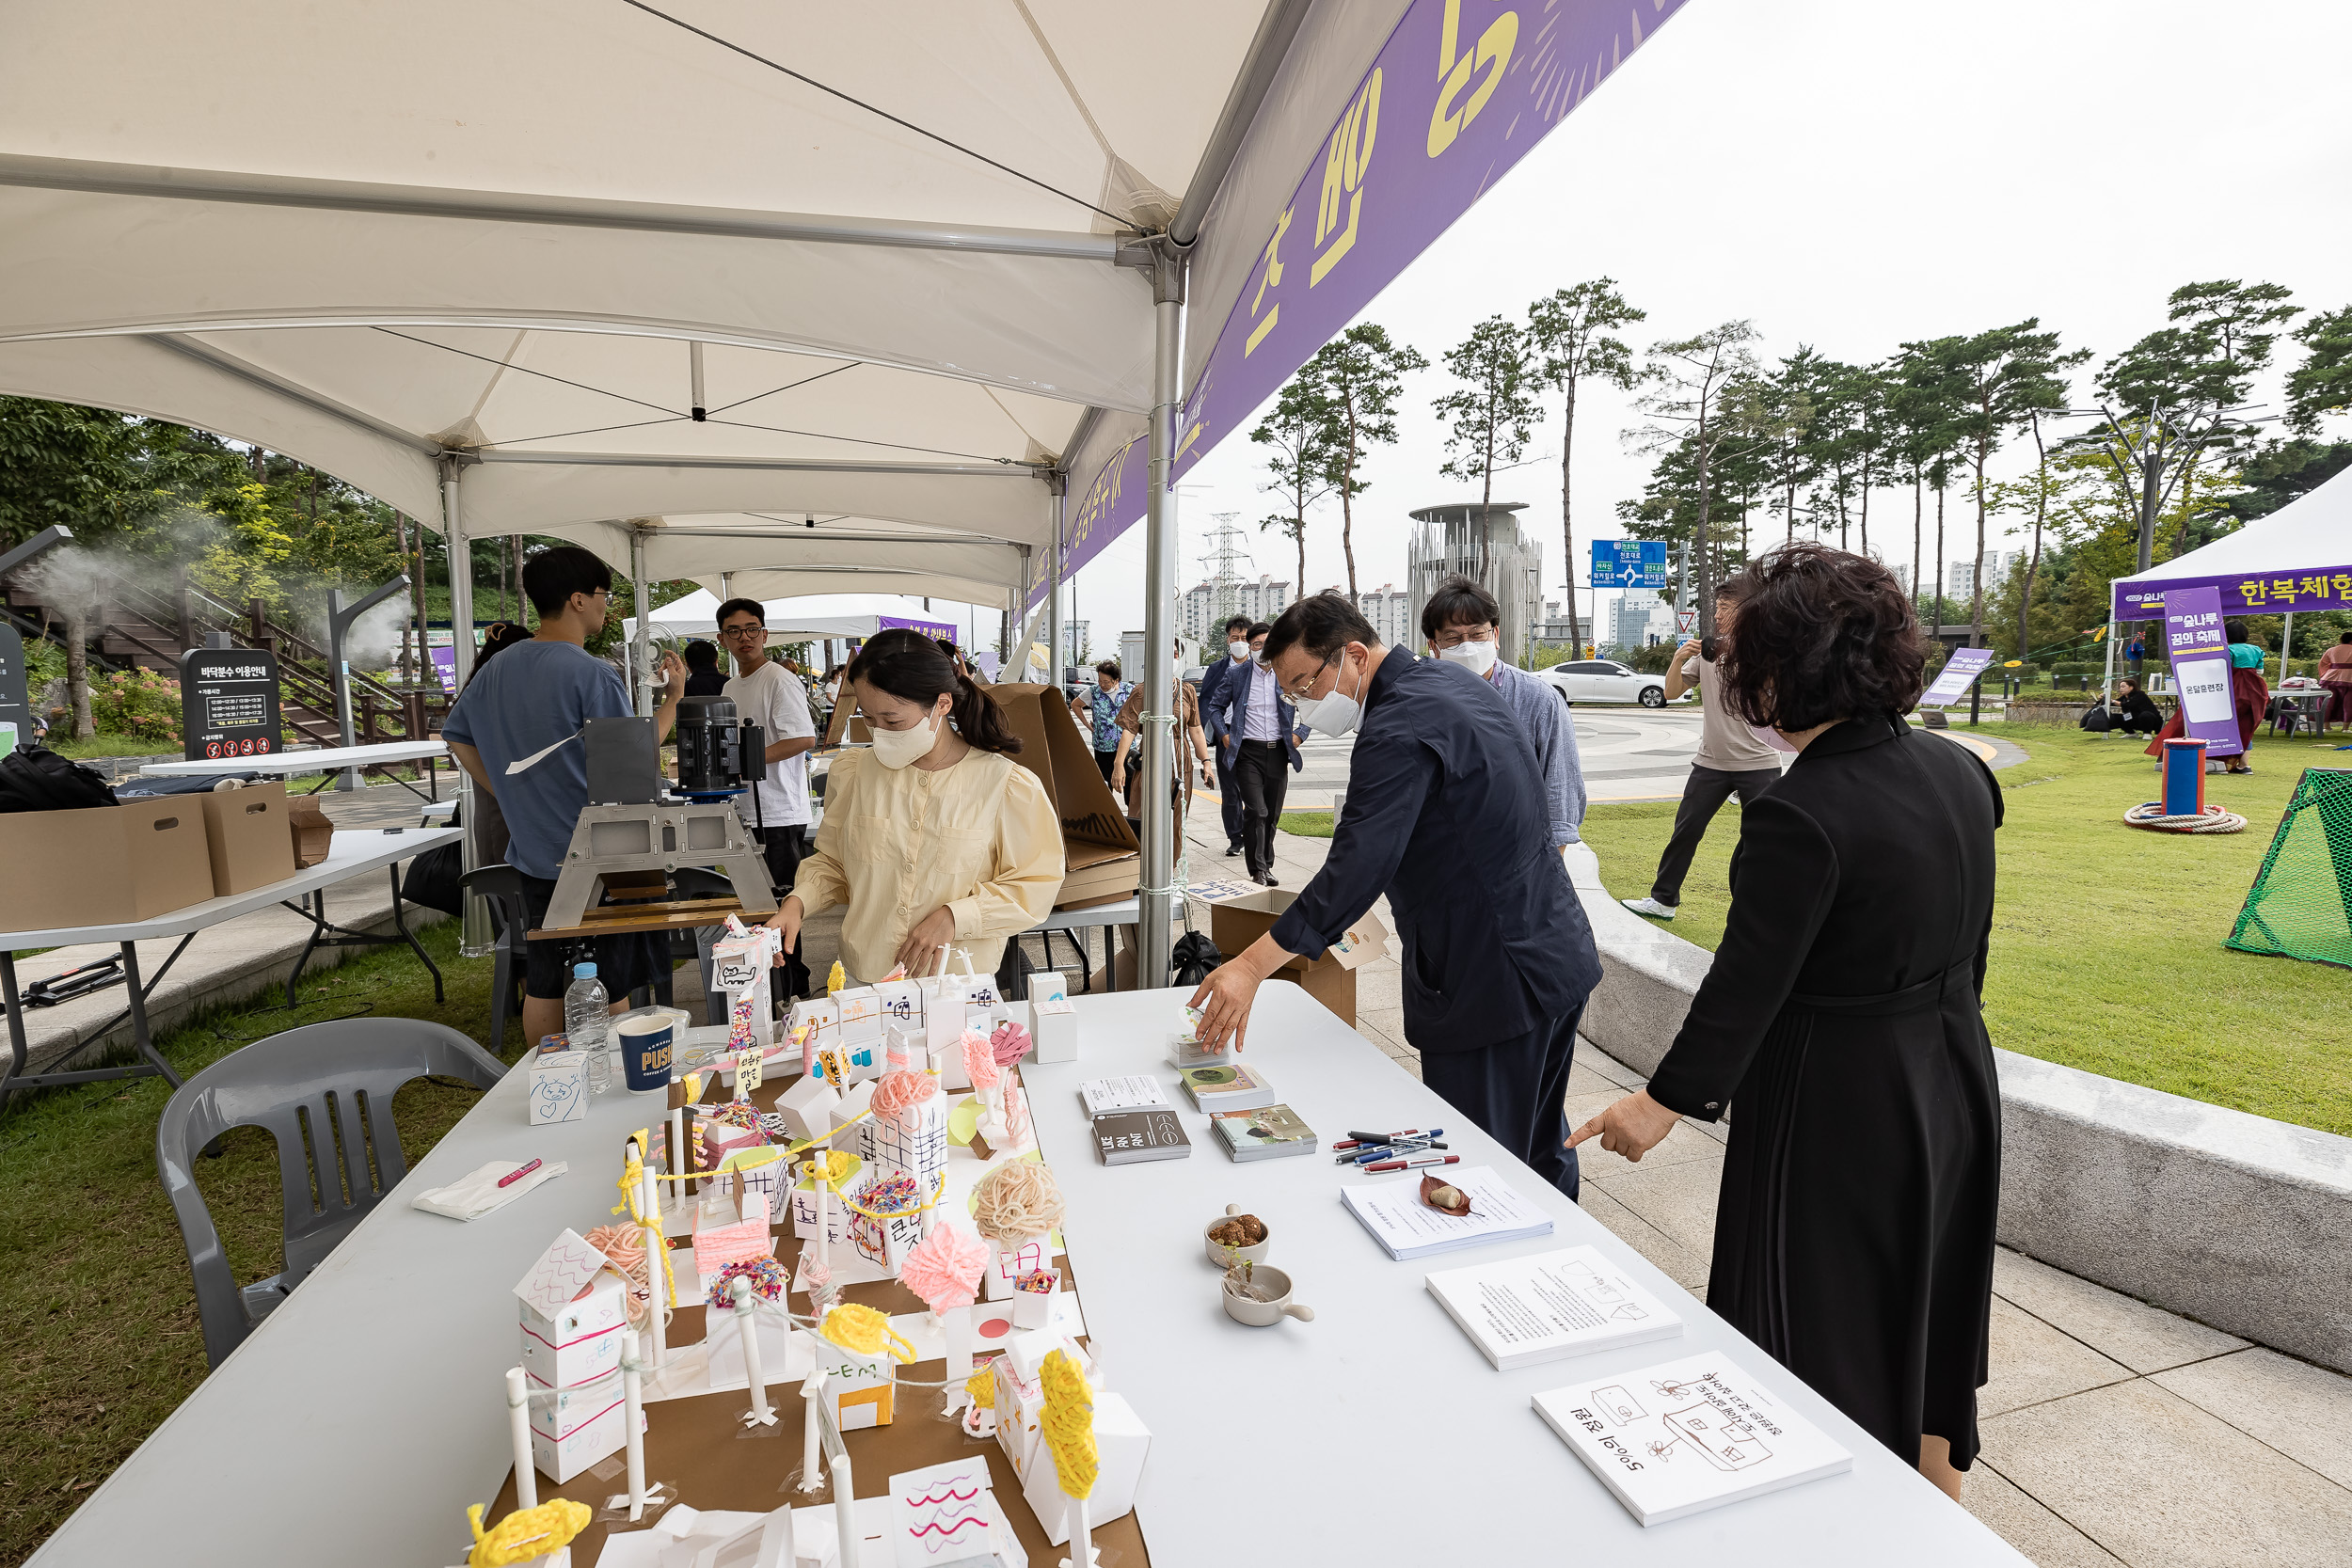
<point x="2114" y="1432"/>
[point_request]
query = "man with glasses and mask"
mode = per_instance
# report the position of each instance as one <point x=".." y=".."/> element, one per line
<point x="766" y="693"/>
<point x="1464" y="624"/>
<point x="1446" y="815"/>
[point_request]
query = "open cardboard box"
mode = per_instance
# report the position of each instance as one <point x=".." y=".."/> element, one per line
<point x="249" y="834"/>
<point x="107" y="866"/>
<point x="1103" y="860"/>
<point x="1239" y="919"/>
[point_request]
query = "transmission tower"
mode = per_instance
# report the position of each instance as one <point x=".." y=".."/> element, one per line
<point x="1224" y="586"/>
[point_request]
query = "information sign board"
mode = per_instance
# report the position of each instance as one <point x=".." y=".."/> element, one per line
<point x="1959" y="672"/>
<point x="228" y="704"/>
<point x="2200" y="651"/>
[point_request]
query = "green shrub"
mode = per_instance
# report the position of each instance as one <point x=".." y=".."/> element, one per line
<point x="137" y="703"/>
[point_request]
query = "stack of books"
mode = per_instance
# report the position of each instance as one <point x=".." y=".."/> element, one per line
<point x="1270" y="1132"/>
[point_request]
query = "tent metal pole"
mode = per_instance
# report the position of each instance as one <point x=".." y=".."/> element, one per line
<point x="1055" y="659"/>
<point x="641" y="672"/>
<point x="474" y="937"/>
<point x="1154" y="907"/>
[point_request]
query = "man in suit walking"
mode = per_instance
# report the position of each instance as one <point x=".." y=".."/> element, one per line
<point x="1258" y="749"/>
<point x="1447" y="816"/>
<point x="1212" y="683"/>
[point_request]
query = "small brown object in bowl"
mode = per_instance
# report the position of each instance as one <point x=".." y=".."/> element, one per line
<point x="1241" y="1231"/>
<point x="1444" y="1198"/>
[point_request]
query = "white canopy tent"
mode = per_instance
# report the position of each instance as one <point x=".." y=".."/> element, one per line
<point x="2298" y="558"/>
<point x="696" y="615"/>
<point x="654" y="278"/>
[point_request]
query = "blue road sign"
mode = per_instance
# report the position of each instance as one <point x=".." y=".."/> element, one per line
<point x="1629" y="564"/>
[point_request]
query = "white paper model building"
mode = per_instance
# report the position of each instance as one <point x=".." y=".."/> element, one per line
<point x="900" y="1001"/>
<point x="860" y="1014"/>
<point x="807" y="1106"/>
<point x="946" y="1516"/>
<point x="882" y="1239"/>
<point x="572" y="1312"/>
<point x="1009" y="1263"/>
<point x="1120" y="1442"/>
<point x="1054" y="1031"/>
<point x="862" y="1388"/>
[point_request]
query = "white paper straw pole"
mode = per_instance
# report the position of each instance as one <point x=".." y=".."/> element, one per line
<point x="812" y="1435"/>
<point x="742" y="1291"/>
<point x="633" y="1389"/>
<point x="818" y="1166"/>
<point x="957" y="1321"/>
<point x="680" y="1161"/>
<point x="845" y="1511"/>
<point x="1081" y="1536"/>
<point x="518" y="1422"/>
<point x="657" y="1271"/>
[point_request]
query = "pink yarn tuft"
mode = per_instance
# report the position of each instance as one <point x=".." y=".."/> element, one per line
<point x="944" y="1268"/>
<point x="899" y="1095"/>
<point x="625" y="1244"/>
<point x="1010" y="1043"/>
<point x="979" y="1060"/>
<point x="1016" y="1113"/>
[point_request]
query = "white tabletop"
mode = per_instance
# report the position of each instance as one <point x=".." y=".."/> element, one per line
<point x="321" y="761"/>
<point x="1121" y="913"/>
<point x="351" y="852"/>
<point x="370" y="1407"/>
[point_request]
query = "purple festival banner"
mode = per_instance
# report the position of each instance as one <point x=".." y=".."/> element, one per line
<point x="929" y="629"/>
<point x="1960" y="671"/>
<point x="2200" y="652"/>
<point x="2320" y="588"/>
<point x="1462" y="90"/>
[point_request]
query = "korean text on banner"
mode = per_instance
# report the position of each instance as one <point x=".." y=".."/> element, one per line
<point x="2200" y="652"/>
<point x="1461" y="91"/>
<point x="1959" y="672"/>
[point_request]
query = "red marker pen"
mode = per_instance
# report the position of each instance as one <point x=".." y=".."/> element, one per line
<point x="517" y="1174"/>
<point x="1416" y="1165"/>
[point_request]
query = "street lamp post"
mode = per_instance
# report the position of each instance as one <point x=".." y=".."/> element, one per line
<point x="339" y="620"/>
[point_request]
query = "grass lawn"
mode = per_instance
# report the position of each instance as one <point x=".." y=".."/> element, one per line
<point x="61" y="742"/>
<point x="96" y="1302"/>
<point x="2106" y="940"/>
<point x="1307" y="823"/>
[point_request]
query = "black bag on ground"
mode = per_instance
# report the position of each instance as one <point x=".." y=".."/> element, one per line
<point x="38" y="779"/>
<point x="436" y="878"/>
<point x="2097" y="720"/>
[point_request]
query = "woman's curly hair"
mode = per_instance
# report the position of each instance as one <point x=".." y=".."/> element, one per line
<point x="1820" y="634"/>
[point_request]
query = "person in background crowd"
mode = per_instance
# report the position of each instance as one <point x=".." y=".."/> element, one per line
<point x="1447" y="817"/>
<point x="1097" y="712"/>
<point x="1259" y="753"/>
<point x="933" y="835"/>
<point x="1730" y="761"/>
<point x="526" y="701"/>
<point x="704" y="678"/>
<point x="2135" y="710"/>
<point x="2335" y="674"/>
<point x="490" y="836"/>
<point x="2135" y="651"/>
<point x="1127" y="761"/>
<point x="1463" y="624"/>
<point x="766" y="693"/>
<point x="1855" y="1227"/>
<point x="1213" y="722"/>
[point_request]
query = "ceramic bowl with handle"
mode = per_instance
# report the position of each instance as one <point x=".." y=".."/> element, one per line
<point x="1223" y="1256"/>
<point x="1264" y="1314"/>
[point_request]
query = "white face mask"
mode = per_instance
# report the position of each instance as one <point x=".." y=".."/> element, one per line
<point x="1239" y="650"/>
<point x="1334" y="715"/>
<point x="898" y="748"/>
<point x="1479" y="656"/>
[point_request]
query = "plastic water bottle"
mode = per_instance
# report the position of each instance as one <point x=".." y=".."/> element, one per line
<point x="588" y="1023"/>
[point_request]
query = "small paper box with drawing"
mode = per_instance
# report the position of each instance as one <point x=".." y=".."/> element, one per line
<point x="740" y="969"/>
<point x="864" y="1388"/>
<point x="860" y="1014"/>
<point x="1053" y="1026"/>
<point x="725" y="1129"/>
<point x="572" y="1432"/>
<point x="900" y="1001"/>
<point x="572" y="1312"/>
<point x="559" y="1087"/>
<point x="945" y="1516"/>
<point x="805" y="1208"/>
<point x="1033" y="1297"/>
<point x="822" y="1020"/>
<point x="728" y="1230"/>
<point x="886" y="1218"/>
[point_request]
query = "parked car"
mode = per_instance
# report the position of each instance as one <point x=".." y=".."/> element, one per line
<point x="1603" y="680"/>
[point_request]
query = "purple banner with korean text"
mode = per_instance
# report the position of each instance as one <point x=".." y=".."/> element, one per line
<point x="2320" y="588"/>
<point x="1462" y="90"/>
<point x="929" y="629"/>
<point x="2198" y="649"/>
<point x="1960" y="671"/>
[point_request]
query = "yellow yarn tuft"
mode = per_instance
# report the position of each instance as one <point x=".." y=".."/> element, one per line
<point x="865" y="1331"/>
<point x="980" y="1387"/>
<point x="837" y="978"/>
<point x="526" y="1533"/>
<point x="1067" y="1423"/>
<point x="837" y="1167"/>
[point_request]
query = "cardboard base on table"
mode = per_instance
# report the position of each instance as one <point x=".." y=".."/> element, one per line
<point x="699" y="1446"/>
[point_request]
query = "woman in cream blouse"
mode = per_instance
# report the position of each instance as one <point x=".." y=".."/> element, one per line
<point x="934" y="836"/>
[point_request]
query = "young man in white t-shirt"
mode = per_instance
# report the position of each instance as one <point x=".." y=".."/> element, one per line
<point x="766" y="693"/>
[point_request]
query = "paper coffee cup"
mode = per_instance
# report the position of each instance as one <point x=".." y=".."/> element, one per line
<point x="645" y="1044"/>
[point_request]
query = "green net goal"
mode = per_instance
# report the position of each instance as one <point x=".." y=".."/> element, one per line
<point x="2300" y="905"/>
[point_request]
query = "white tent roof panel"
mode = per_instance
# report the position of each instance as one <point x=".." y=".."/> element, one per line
<point x="2307" y="537"/>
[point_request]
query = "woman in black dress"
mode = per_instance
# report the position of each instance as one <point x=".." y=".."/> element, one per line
<point x="1853" y="1238"/>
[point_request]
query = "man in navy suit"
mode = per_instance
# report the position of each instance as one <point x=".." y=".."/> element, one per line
<point x="1213" y="681"/>
<point x="1447" y="816"/>
<point x="1258" y="749"/>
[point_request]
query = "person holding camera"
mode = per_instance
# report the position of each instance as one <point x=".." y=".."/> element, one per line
<point x="1730" y="761"/>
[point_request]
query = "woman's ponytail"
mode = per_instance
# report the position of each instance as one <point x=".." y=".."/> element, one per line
<point x="978" y="719"/>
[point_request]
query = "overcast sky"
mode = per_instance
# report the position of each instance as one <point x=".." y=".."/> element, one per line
<point x="1851" y="175"/>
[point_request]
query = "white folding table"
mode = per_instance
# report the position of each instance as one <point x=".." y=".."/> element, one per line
<point x="351" y="853"/>
<point x="369" y="1407"/>
<point x="330" y="759"/>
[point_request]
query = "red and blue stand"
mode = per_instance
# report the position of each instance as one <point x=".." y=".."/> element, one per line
<point x="2184" y="778"/>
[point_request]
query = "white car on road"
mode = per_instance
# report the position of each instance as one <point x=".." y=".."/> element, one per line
<point x="1603" y="680"/>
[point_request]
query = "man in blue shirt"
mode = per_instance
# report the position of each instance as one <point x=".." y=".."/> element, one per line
<point x="1212" y="684"/>
<point x="531" y="698"/>
<point x="1463" y="624"/>
<point x="1097" y="712"/>
<point x="1260" y="751"/>
<point x="1446" y="815"/>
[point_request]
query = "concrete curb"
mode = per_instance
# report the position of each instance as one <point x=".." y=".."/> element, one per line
<point x="2238" y="1221"/>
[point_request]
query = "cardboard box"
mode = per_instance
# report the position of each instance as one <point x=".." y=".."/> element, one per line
<point x="108" y="865"/>
<point x="313" y="831"/>
<point x="1102" y="861"/>
<point x="247" y="833"/>
<point x="1328" y="984"/>
<point x="1329" y="976"/>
